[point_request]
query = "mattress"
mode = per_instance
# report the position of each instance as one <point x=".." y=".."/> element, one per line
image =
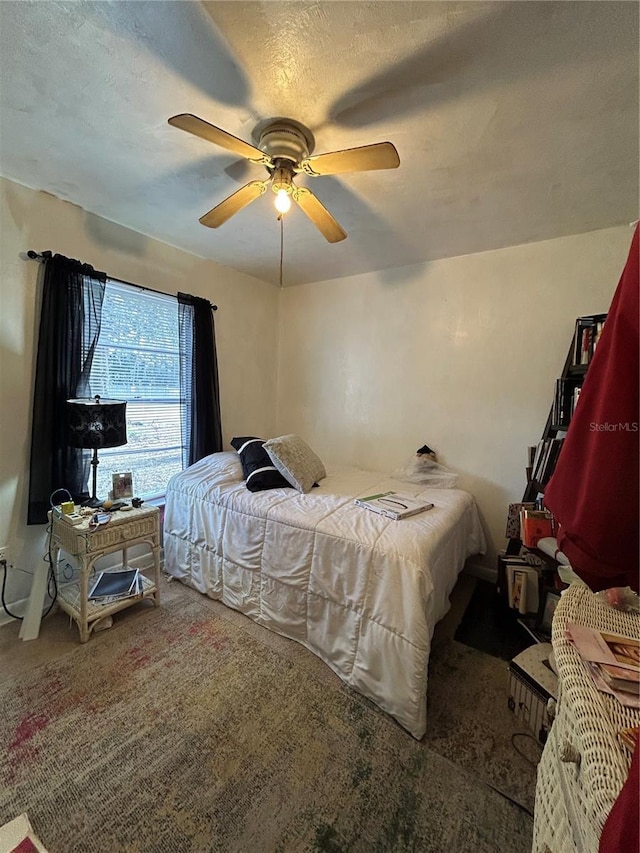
<point x="361" y="591"/>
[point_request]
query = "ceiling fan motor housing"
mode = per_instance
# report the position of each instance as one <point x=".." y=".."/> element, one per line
<point x="286" y="139"/>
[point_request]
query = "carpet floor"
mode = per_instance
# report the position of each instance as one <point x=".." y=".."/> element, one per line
<point x="189" y="728"/>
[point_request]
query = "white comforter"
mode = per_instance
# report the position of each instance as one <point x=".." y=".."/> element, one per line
<point x="359" y="590"/>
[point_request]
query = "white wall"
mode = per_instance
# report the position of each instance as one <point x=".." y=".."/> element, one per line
<point x="246" y="328"/>
<point x="460" y="354"/>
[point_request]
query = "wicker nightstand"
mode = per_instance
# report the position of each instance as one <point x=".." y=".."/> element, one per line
<point x="584" y="765"/>
<point x="124" y="530"/>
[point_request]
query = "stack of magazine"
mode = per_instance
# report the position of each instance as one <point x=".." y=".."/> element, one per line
<point x="394" y="504"/>
<point x="613" y="661"/>
<point x="629" y="737"/>
<point x="115" y="585"/>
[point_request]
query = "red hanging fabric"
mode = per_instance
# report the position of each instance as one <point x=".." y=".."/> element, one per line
<point x="621" y="832"/>
<point x="593" y="492"/>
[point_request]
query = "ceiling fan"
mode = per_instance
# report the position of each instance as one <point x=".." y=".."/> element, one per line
<point x="284" y="148"/>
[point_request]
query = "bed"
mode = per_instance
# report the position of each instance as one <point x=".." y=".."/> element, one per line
<point x="359" y="590"/>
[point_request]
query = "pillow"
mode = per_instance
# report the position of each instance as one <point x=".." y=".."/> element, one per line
<point x="257" y="468"/>
<point x="296" y="461"/>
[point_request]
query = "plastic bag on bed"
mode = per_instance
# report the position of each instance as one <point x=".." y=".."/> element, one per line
<point x="424" y="469"/>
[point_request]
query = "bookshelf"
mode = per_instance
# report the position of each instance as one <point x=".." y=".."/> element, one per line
<point x="543" y="458"/>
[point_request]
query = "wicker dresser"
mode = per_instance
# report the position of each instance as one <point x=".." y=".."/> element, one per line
<point x="583" y="765"/>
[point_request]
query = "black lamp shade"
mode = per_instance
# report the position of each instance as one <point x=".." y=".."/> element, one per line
<point x="95" y="423"/>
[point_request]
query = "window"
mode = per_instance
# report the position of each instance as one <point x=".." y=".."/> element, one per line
<point x="137" y="360"/>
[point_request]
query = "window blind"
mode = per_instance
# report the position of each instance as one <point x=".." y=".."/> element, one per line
<point x="137" y="360"/>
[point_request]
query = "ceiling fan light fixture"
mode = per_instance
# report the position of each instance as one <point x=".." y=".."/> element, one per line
<point x="281" y="179"/>
<point x="282" y="185"/>
<point x="283" y="201"/>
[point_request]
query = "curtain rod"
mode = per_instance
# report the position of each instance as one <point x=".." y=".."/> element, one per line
<point x="42" y="256"/>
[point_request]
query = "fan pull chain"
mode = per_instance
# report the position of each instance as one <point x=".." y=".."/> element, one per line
<point x="281" y="218"/>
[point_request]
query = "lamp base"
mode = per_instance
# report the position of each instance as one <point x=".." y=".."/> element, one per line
<point x="93" y="503"/>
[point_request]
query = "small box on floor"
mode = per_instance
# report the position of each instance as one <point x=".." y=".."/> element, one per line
<point x="532" y="683"/>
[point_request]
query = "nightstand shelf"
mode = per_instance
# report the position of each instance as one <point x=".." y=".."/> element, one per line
<point x="69" y="600"/>
<point x="124" y="531"/>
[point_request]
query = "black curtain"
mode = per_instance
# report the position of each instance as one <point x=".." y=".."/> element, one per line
<point x="72" y="295"/>
<point x="199" y="389"/>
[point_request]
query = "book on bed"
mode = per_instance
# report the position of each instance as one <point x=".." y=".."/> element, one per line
<point x="394" y="504"/>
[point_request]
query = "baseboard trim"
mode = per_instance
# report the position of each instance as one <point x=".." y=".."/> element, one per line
<point x="19" y="607"/>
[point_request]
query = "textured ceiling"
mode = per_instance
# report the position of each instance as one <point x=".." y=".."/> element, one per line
<point x="514" y="122"/>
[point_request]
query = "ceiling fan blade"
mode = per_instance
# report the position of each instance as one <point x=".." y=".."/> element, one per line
<point x="318" y="214"/>
<point x="218" y="215"/>
<point x="199" y="127"/>
<point x="366" y="158"/>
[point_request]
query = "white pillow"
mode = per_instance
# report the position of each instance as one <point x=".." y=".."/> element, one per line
<point x="296" y="461"/>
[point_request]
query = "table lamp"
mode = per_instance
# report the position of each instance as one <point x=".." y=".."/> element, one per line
<point x="95" y="423"/>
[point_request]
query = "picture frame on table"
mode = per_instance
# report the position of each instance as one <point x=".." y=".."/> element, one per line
<point x="548" y="603"/>
<point x="122" y="485"/>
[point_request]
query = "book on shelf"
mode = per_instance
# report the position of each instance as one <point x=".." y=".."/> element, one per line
<point x="574" y="400"/>
<point x="561" y="408"/>
<point x="523" y="583"/>
<point x="535" y="525"/>
<point x="546" y="458"/>
<point x="537" y="456"/>
<point x="551" y="459"/>
<point x="565" y="399"/>
<point x="517" y="589"/>
<point x="613" y="661"/>
<point x="598" y="331"/>
<point x="394" y="505"/>
<point x="509" y="562"/>
<point x="587" y="335"/>
<point x="513" y="518"/>
<point x="116" y="584"/>
<point x="586" y="344"/>
<point x="557" y="409"/>
<point x="539" y="461"/>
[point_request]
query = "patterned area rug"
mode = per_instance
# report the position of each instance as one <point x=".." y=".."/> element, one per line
<point x="177" y="730"/>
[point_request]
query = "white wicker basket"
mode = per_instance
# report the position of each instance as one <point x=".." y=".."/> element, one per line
<point x="584" y="764"/>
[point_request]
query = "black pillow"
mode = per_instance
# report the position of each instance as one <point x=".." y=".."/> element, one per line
<point x="258" y="469"/>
